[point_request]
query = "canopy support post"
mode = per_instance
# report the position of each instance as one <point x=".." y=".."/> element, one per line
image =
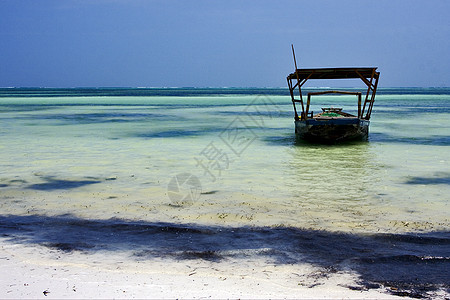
<point x="371" y="90"/>
<point x="302" y="117"/>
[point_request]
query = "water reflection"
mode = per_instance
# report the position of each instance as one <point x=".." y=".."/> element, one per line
<point x="333" y="185"/>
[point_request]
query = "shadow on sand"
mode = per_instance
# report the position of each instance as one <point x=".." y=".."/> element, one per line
<point x="415" y="264"/>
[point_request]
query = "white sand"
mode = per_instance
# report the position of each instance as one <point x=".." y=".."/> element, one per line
<point x="38" y="272"/>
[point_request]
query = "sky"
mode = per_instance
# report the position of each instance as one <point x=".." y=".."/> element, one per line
<point x="219" y="43"/>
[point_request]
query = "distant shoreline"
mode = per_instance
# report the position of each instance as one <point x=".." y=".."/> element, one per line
<point x="193" y="91"/>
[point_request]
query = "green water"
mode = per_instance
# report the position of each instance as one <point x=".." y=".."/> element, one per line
<point x="114" y="156"/>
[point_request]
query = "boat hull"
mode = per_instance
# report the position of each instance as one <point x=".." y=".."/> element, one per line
<point x="332" y="130"/>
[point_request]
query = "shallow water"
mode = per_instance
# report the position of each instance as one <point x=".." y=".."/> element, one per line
<point x="112" y="156"/>
<point x="219" y="160"/>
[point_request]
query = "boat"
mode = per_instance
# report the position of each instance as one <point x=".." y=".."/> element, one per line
<point x="332" y="125"/>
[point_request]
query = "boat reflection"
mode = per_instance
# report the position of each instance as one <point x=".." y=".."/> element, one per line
<point x="334" y="186"/>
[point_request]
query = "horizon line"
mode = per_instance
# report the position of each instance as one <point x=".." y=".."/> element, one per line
<point x="213" y="87"/>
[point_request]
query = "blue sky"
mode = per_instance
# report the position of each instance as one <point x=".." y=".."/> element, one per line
<point x="152" y="43"/>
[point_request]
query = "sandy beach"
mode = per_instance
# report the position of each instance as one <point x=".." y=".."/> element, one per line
<point x="39" y="272"/>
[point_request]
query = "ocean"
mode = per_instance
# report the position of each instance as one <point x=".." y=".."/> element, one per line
<point x="209" y="174"/>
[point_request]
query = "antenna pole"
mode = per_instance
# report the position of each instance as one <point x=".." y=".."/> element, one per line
<point x="293" y="54"/>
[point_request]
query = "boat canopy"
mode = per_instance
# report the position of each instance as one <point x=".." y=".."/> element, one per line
<point x="333" y="73"/>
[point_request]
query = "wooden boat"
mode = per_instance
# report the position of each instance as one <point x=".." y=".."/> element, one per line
<point x="332" y="125"/>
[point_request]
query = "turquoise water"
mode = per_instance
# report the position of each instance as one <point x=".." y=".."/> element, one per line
<point x="115" y="155"/>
